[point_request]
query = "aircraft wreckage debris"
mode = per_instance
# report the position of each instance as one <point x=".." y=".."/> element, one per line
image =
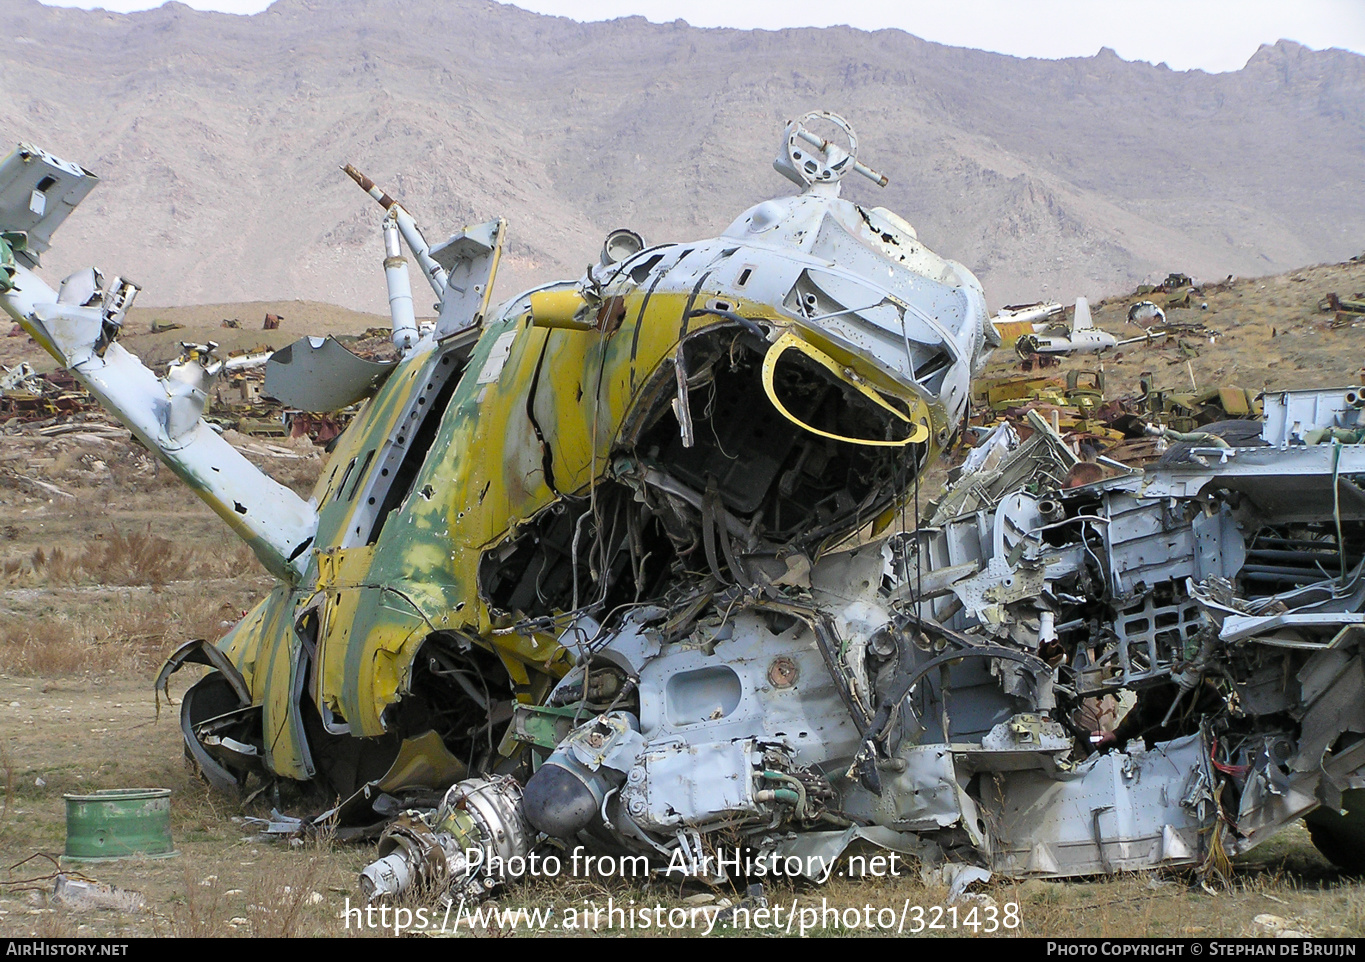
<point x="625" y="566"/>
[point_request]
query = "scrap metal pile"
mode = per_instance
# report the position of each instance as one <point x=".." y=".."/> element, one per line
<point x="1221" y="585"/>
<point x="1134" y="430"/>
<point x="236" y="398"/>
<point x="631" y="562"/>
<point x="1041" y="332"/>
<point x="30" y="398"/>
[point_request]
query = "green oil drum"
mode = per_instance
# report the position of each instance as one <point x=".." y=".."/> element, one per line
<point x="119" y="822"/>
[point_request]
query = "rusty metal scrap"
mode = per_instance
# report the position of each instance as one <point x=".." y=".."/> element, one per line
<point x="1342" y="305"/>
<point x="1078" y="409"/>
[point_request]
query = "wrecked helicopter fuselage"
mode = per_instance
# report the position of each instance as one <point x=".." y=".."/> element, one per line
<point x="584" y="559"/>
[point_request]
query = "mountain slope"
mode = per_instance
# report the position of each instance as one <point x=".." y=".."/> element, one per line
<point x="218" y="137"/>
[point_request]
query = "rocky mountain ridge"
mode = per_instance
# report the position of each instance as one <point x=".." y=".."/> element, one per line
<point x="218" y="138"/>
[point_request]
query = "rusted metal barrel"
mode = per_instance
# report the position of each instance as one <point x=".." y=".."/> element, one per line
<point x="118" y="823"/>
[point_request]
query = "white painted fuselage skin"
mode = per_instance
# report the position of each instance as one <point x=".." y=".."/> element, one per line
<point x="1082" y="342"/>
<point x="1083" y="338"/>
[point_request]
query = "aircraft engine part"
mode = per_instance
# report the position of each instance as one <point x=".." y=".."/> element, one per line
<point x="467" y="844"/>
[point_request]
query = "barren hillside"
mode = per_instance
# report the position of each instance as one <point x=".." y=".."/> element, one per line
<point x="218" y="139"/>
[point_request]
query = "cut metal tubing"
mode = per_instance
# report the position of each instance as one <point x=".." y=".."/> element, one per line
<point x="558" y="309"/>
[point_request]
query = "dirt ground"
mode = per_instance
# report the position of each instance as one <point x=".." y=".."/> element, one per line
<point x="99" y="728"/>
<point x="107" y="564"/>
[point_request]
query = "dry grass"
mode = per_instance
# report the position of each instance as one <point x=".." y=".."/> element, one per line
<point x="282" y="902"/>
<point x="132" y="631"/>
<point x="7" y="775"/>
<point x="118" y="576"/>
<point x="201" y="911"/>
<point x="121" y="558"/>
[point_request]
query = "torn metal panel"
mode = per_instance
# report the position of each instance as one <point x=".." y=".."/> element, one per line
<point x="920" y="793"/>
<point x="470" y="259"/>
<point x="37" y="193"/>
<point x="202" y="652"/>
<point x="1292" y="417"/>
<point x="1149" y="541"/>
<point x="319" y="374"/>
<point x="1271" y="796"/>
<point x="1123" y="810"/>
